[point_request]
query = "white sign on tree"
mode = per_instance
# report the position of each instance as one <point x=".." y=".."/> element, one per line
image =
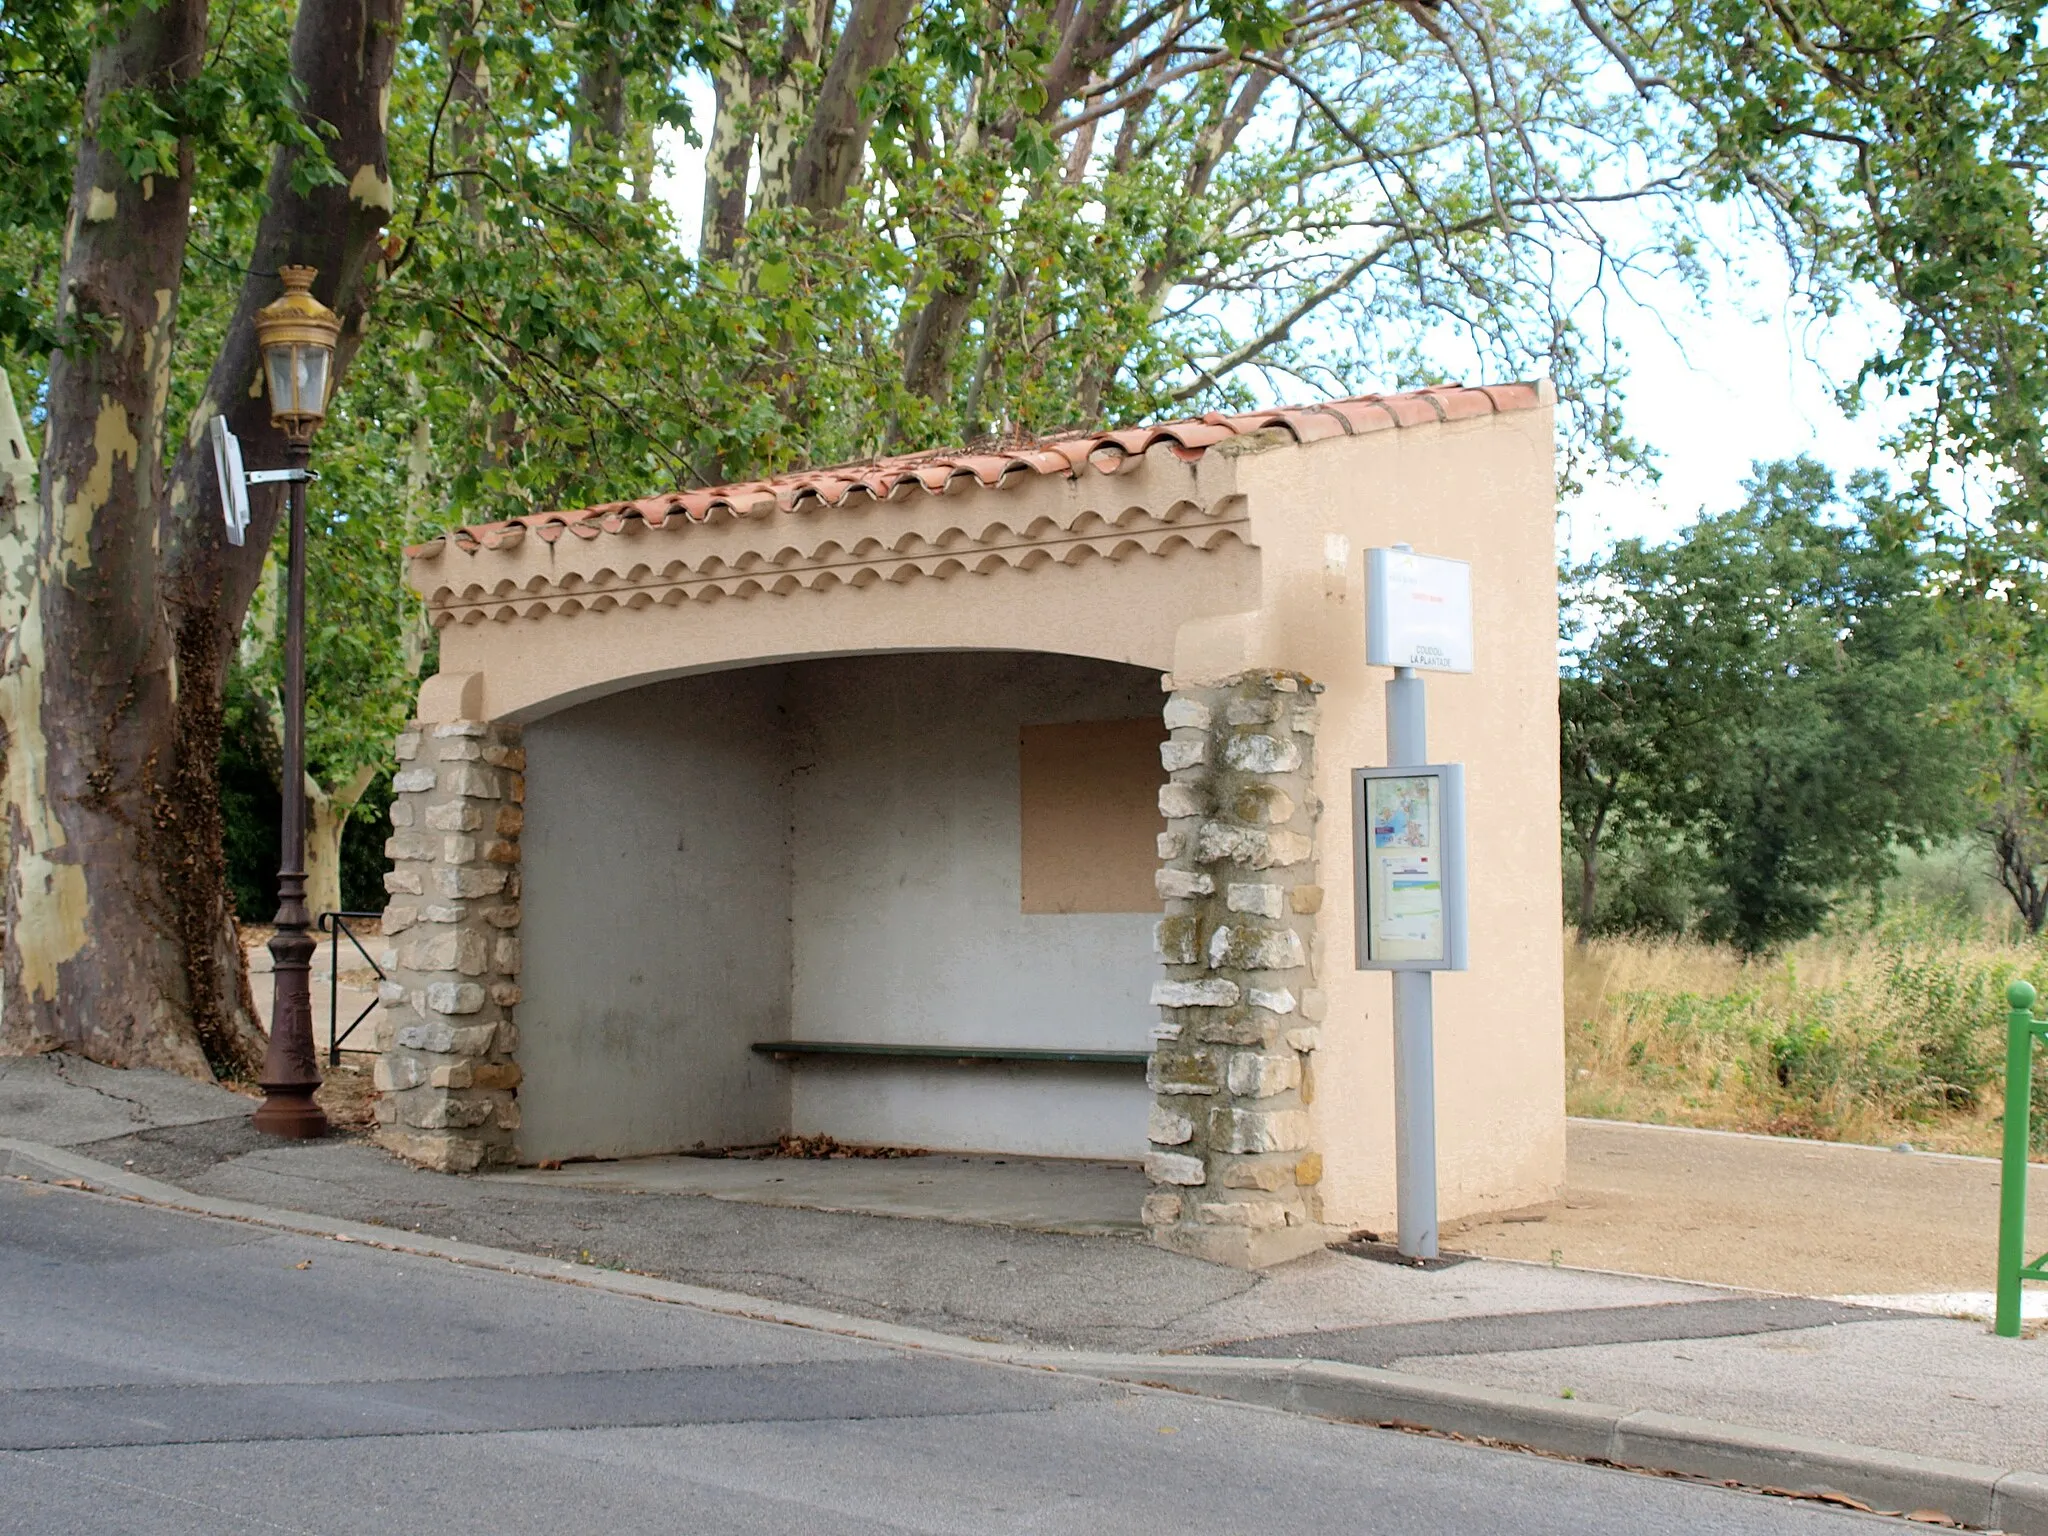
<point x="1418" y="611"/>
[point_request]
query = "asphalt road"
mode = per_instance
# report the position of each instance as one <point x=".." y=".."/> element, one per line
<point x="166" y="1374"/>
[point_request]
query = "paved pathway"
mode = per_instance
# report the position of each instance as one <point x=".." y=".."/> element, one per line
<point x="1819" y="1218"/>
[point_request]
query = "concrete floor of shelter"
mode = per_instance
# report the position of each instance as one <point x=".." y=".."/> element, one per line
<point x="1034" y="1194"/>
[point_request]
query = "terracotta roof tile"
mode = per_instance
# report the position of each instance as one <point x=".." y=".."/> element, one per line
<point x="937" y="473"/>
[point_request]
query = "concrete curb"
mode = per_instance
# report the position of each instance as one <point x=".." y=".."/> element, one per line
<point x="1999" y="1498"/>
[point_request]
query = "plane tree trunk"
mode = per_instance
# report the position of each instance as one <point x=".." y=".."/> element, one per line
<point x="126" y="598"/>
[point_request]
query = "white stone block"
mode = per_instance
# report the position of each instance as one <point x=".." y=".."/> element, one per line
<point x="1259" y="753"/>
<point x="1178" y="800"/>
<point x="1211" y="992"/>
<point x="1258" y="1130"/>
<point x="1180" y="884"/>
<point x="436" y="1037"/>
<point x="1169" y="1127"/>
<point x="1176" y="755"/>
<point x="454" y="816"/>
<point x="1250" y="949"/>
<point x="1265" y="900"/>
<point x="469" y="882"/>
<point x="455" y="997"/>
<point x="1284" y="848"/>
<point x="1273" y="1000"/>
<point x="1185" y="714"/>
<point x="1262" y="1214"/>
<point x="1251" y="711"/>
<point x="395" y="1074"/>
<point x="1305" y="1040"/>
<point x="1175" y="1168"/>
<point x="412" y="781"/>
<point x="1253" y="1076"/>
<point x="1218" y="841"/>
<point x="472" y="781"/>
<point x="1160" y="1209"/>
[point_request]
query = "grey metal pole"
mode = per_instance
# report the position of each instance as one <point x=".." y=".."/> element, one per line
<point x="1414" y="1024"/>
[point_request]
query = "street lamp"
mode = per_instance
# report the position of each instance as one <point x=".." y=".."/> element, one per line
<point x="297" y="334"/>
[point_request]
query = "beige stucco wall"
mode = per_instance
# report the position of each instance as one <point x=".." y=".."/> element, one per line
<point x="1478" y="491"/>
<point x="1203" y="569"/>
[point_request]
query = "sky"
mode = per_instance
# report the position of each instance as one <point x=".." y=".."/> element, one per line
<point x="1715" y="389"/>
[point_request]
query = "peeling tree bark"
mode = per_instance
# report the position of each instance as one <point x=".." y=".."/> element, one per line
<point x="830" y="156"/>
<point x="120" y="938"/>
<point x="87" y="688"/>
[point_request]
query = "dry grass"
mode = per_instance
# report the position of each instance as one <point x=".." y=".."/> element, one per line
<point x="1895" y="1033"/>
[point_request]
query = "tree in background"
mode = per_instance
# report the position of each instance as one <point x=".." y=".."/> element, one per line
<point x="1756" y="701"/>
<point x="1997" y="638"/>
<point x="1898" y="147"/>
<point x="921" y="223"/>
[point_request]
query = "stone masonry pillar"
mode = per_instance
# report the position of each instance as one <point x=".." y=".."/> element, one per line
<point x="1232" y="1164"/>
<point x="447" y="1076"/>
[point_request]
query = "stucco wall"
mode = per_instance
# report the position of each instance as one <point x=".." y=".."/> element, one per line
<point x="907" y="907"/>
<point x="1478" y="491"/>
<point x="657" y="933"/>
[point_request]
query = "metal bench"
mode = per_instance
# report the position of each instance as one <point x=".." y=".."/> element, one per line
<point x="791" y="1050"/>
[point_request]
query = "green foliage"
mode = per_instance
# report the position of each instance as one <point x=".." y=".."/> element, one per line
<point x="1851" y="1033"/>
<point x="251" y="808"/>
<point x="1997" y="636"/>
<point x="1749" y="712"/>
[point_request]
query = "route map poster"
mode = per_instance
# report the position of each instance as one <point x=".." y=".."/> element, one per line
<point x="1405" y="850"/>
<point x="1408" y="870"/>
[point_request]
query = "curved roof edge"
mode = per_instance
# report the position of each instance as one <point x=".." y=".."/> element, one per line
<point x="935" y="471"/>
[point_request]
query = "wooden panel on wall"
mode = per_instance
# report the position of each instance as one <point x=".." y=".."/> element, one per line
<point x="1089" y="808"/>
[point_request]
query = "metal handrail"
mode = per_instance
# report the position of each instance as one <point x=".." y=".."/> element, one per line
<point x="335" y="924"/>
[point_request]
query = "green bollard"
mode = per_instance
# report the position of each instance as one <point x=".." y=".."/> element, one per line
<point x="2012" y="1179"/>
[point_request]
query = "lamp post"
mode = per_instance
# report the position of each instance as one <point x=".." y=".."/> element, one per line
<point x="297" y="334"/>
